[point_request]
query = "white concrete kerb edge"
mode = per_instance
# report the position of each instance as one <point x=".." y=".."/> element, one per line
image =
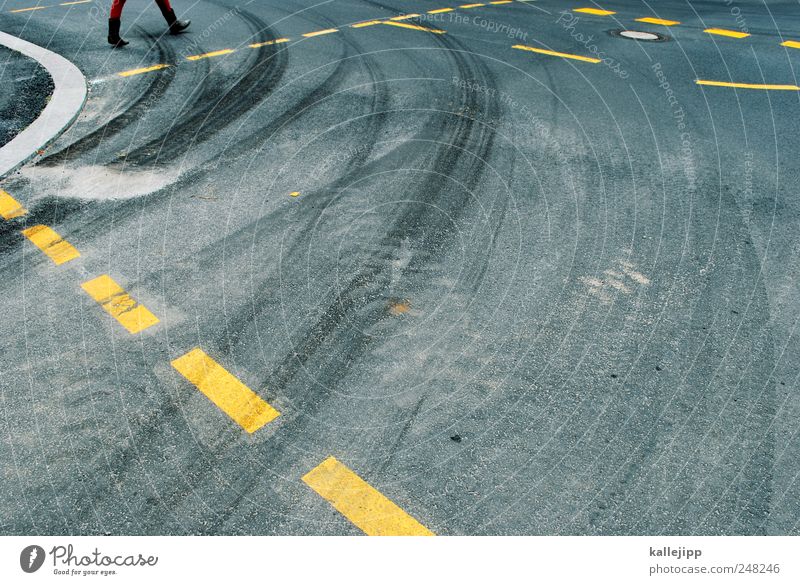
<point x="65" y="104"/>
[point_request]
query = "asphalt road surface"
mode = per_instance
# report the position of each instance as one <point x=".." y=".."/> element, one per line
<point x="513" y="291"/>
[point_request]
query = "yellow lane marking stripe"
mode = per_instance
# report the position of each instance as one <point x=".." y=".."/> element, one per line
<point x="119" y="304"/>
<point x="748" y="85"/>
<point x="440" y="10"/>
<point x="727" y="33"/>
<point x="360" y="503"/>
<point x="225" y="390"/>
<point x="265" y="43"/>
<point x="211" y="54"/>
<point x="792" y="44"/>
<point x="131" y="72"/>
<point x="471" y="5"/>
<point x="595" y="11"/>
<point x="660" y="21"/>
<point x="502" y="2"/>
<point x="29" y="9"/>
<point x="76" y="2"/>
<point x="556" y="54"/>
<point x="415" y="27"/>
<point x="405" y="17"/>
<point x="317" y="33"/>
<point x="295" y="193"/>
<point x="367" y="23"/>
<point x="10" y="207"/>
<point x="49" y="242"/>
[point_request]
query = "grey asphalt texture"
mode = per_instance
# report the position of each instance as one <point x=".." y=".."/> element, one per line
<point x="517" y="294"/>
<point x="26" y="89"/>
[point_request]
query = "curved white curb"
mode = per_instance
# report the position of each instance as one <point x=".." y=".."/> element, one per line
<point x="66" y="102"/>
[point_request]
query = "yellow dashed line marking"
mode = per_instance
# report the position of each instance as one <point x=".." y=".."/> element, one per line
<point x="29" y="9"/>
<point x="211" y="54"/>
<point x="76" y="2"/>
<point x="405" y="17"/>
<point x="10" y="207"/>
<point x="440" y="10"/>
<point x="660" y="21"/>
<point x="496" y="2"/>
<point x="367" y="23"/>
<point x="295" y="194"/>
<point x="556" y="54"/>
<point x="49" y="242"/>
<point x="119" y="304"/>
<point x="361" y="503"/>
<point x="414" y="27"/>
<point x="471" y="5"/>
<point x="792" y="44"/>
<point x="321" y="32"/>
<point x="225" y="390"/>
<point x="748" y="85"/>
<point x="132" y="72"/>
<point x="595" y="11"/>
<point x="727" y="33"/>
<point x="265" y="43"/>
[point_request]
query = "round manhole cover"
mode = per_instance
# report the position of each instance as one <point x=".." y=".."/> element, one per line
<point x="639" y="35"/>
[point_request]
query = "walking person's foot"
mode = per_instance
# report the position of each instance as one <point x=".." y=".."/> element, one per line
<point x="114" y="39"/>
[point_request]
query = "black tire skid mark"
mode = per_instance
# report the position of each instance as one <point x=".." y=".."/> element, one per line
<point x="130" y="114"/>
<point x="217" y="104"/>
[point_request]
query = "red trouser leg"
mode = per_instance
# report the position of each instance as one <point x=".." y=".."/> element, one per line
<point x="116" y="8"/>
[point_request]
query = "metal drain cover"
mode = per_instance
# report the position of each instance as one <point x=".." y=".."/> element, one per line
<point x="639" y="35"/>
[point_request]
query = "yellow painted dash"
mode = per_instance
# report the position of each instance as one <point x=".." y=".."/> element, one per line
<point x="496" y="2"/>
<point x="295" y="194"/>
<point x="471" y="5"/>
<point x="595" y="11"/>
<point x="556" y="54"/>
<point x="723" y="32"/>
<point x="792" y="44"/>
<point x="367" y="23"/>
<point x="225" y="390"/>
<point x="49" y="242"/>
<point x="361" y="503"/>
<point x="317" y="33"/>
<point x="10" y="207"/>
<point x="440" y="10"/>
<point x="211" y="54"/>
<point x="132" y="72"/>
<point x="76" y="2"/>
<point x="119" y="304"/>
<point x="29" y="9"/>
<point x="405" y="17"/>
<point x="661" y="21"/>
<point x="748" y="85"/>
<point x="265" y="43"/>
<point x="414" y="27"/>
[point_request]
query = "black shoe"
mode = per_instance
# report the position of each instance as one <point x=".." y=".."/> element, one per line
<point x="175" y="26"/>
<point x="113" y="34"/>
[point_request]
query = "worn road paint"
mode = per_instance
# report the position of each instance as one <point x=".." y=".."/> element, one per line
<point x="49" y="242"/>
<point x="360" y="503"/>
<point x="211" y="54"/>
<point x="414" y="27"/>
<point x="440" y="10"/>
<point x="119" y="304"/>
<point x="556" y="54"/>
<point x="132" y="72"/>
<point x="10" y="207"/>
<point x="792" y="44"/>
<point x="317" y="33"/>
<point x="225" y="390"/>
<point x="265" y="43"/>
